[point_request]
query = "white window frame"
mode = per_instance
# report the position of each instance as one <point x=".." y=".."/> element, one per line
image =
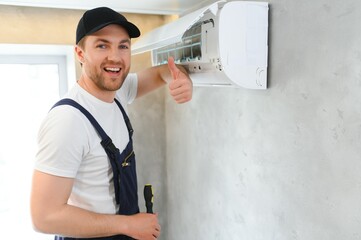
<point x="62" y="55"/>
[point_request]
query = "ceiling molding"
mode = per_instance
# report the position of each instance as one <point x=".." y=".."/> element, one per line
<point x="163" y="7"/>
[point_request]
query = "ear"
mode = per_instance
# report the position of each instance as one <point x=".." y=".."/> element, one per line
<point x="79" y="52"/>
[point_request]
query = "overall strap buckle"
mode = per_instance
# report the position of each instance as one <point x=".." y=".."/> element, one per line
<point x="109" y="146"/>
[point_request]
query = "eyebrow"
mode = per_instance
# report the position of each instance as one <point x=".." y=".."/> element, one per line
<point x="106" y="41"/>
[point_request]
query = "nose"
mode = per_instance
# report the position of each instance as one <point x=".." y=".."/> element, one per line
<point x="114" y="55"/>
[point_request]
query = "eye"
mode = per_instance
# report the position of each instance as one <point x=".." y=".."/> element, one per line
<point x="101" y="46"/>
<point x="124" y="46"/>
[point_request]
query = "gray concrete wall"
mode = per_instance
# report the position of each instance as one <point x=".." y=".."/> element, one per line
<point x="282" y="163"/>
<point x="148" y="119"/>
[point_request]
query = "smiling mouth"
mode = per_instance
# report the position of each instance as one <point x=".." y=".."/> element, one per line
<point x="112" y="70"/>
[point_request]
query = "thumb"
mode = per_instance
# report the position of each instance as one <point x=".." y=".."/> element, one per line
<point x="173" y="68"/>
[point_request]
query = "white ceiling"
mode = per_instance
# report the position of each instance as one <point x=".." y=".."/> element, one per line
<point x="125" y="6"/>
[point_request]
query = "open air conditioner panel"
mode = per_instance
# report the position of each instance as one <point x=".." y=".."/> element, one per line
<point x="188" y="49"/>
<point x="222" y="44"/>
<point x="168" y="34"/>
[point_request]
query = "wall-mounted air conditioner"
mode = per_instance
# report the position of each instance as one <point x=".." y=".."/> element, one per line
<point x="224" y="44"/>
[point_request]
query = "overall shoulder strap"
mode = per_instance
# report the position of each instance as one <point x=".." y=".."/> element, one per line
<point x="126" y="119"/>
<point x="71" y="102"/>
<point x="107" y="143"/>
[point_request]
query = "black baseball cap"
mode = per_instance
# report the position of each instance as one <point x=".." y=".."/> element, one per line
<point x="95" y="19"/>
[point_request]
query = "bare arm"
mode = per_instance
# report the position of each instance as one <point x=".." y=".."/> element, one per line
<point x="179" y="84"/>
<point x="51" y="214"/>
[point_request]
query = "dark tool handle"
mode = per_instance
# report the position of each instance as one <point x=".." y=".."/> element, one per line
<point x="148" y="197"/>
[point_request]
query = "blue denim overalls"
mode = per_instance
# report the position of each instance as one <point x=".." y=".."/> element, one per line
<point x="123" y="167"/>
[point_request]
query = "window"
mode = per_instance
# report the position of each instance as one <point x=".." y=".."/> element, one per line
<point x="30" y="84"/>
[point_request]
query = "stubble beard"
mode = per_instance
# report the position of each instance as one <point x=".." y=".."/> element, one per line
<point x="111" y="84"/>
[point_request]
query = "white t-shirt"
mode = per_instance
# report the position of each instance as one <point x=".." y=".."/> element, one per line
<point x="69" y="146"/>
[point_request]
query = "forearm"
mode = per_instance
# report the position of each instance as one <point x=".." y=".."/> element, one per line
<point x="51" y="214"/>
<point x="76" y="222"/>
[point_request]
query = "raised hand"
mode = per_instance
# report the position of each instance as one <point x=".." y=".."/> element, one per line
<point x="180" y="87"/>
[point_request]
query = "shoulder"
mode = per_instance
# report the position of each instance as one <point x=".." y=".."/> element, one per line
<point x="130" y="81"/>
<point x="63" y="138"/>
<point x="63" y="122"/>
<point x="128" y="92"/>
<point x="131" y="77"/>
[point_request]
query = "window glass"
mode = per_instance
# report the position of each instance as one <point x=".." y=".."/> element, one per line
<point x="27" y="93"/>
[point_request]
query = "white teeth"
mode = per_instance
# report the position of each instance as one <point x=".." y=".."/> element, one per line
<point x="113" y="69"/>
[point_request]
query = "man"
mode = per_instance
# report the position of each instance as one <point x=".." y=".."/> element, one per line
<point x="81" y="187"/>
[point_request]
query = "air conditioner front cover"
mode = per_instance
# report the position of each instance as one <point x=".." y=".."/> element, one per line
<point x="170" y="33"/>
